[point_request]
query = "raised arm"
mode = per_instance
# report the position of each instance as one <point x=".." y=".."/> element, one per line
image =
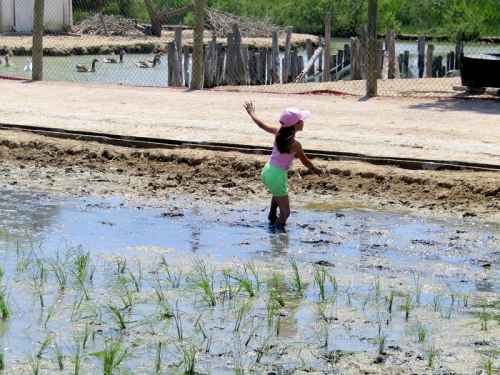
<point x="305" y="160"/>
<point x="250" y="108"/>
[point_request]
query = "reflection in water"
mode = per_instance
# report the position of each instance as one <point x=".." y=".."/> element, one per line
<point x="279" y="242"/>
<point x="24" y="216"/>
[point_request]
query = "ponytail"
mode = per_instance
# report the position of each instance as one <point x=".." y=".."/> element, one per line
<point x="285" y="139"/>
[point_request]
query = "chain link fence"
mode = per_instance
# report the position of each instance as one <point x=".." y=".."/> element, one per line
<point x="86" y="41"/>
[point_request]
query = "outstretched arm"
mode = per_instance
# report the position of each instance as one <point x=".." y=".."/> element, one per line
<point x="250" y="108"/>
<point x="305" y="160"/>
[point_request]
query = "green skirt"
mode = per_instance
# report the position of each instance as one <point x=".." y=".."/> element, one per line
<point x="275" y="180"/>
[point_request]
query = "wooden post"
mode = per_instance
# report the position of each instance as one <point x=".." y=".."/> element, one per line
<point x="185" y="51"/>
<point x="406" y="64"/>
<point x="38" y="29"/>
<point x="421" y="56"/>
<point x="269" y="64"/>
<point x="371" y="82"/>
<point x="221" y="58"/>
<point x="347" y="55"/>
<point x="459" y="50"/>
<point x="275" y="65"/>
<point x="429" y="59"/>
<point x="244" y="73"/>
<point x="380" y="58"/>
<point x="199" y="16"/>
<point x="252" y="67"/>
<point x="320" y="61"/>
<point x="261" y="66"/>
<point x="293" y="66"/>
<point x="355" y="59"/>
<point x="452" y="61"/>
<point x="286" y="60"/>
<point x="391" y="49"/>
<point x="309" y="54"/>
<point x="178" y="62"/>
<point x="172" y="63"/>
<point x="210" y="79"/>
<point x="328" y="46"/>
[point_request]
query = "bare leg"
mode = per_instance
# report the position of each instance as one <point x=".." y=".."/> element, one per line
<point x="273" y="217"/>
<point x="284" y="205"/>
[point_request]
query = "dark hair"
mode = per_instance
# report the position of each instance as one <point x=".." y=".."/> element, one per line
<point x="285" y="139"/>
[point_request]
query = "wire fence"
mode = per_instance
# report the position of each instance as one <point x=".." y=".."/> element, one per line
<point x="83" y="45"/>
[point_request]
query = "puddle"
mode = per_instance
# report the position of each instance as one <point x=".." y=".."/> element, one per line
<point x="369" y="261"/>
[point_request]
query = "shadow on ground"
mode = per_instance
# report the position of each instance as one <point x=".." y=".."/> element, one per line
<point x="466" y="104"/>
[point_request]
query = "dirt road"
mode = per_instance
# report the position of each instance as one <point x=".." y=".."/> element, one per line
<point x="417" y="128"/>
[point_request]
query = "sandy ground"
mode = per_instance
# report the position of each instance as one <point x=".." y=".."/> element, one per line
<point x="86" y="41"/>
<point x="447" y="129"/>
<point x="425" y="88"/>
<point x="32" y="162"/>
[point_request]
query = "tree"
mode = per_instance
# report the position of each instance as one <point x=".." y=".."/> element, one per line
<point x="160" y="16"/>
<point x="199" y="19"/>
<point x="37" y="54"/>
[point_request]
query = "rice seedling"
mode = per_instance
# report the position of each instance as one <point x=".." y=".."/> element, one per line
<point x="241" y="313"/>
<point x="165" y="310"/>
<point x="136" y="280"/>
<point x="189" y="353"/>
<point x="297" y="284"/>
<point x="86" y="336"/>
<point x="60" y="275"/>
<point x="484" y="318"/>
<point x="245" y="284"/>
<point x="432" y="355"/>
<point x="488" y="364"/>
<point x="436" y="303"/>
<point x="250" y="268"/>
<point x="418" y="288"/>
<point x="334" y="284"/>
<point x="50" y="313"/>
<point x="421" y="333"/>
<point x="465" y="300"/>
<point x="35" y="365"/>
<point x="158" y="358"/>
<point x="77" y="360"/>
<point x="121" y="265"/>
<point x="377" y="290"/>
<point x="381" y="340"/>
<point x="4" y="307"/>
<point x="117" y="317"/>
<point x="390" y="302"/>
<point x="59" y="356"/>
<point x="407" y="307"/>
<point x="228" y="284"/>
<point x="174" y="279"/>
<point x="112" y="356"/>
<point x="43" y="347"/>
<point x="206" y="282"/>
<point x="178" y="322"/>
<point x="2" y="361"/>
<point x="81" y="267"/>
<point x="320" y="280"/>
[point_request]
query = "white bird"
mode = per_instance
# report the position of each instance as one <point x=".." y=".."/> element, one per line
<point x="29" y="65"/>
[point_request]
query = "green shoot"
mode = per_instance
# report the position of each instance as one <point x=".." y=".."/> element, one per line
<point x="432" y="354"/>
<point x="189" y="353"/>
<point x="390" y="302"/>
<point x="2" y="361"/>
<point x="112" y="356"/>
<point x="407" y="307"/>
<point x="158" y="358"/>
<point x="421" y="333"/>
<point x="241" y="314"/>
<point x="4" y="307"/>
<point x="118" y="317"/>
<point x="59" y="357"/>
<point x="319" y="280"/>
<point x="381" y="339"/>
<point x="174" y="279"/>
<point x="297" y="284"/>
<point x="206" y="283"/>
<point x="178" y="322"/>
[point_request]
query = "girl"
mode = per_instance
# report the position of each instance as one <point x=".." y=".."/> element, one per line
<point x="286" y="148"/>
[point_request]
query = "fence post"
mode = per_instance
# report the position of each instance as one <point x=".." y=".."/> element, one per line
<point x="391" y="48"/>
<point x="421" y="56"/>
<point x="430" y="58"/>
<point x="287" y="58"/>
<point x="371" y="82"/>
<point x="37" y="48"/>
<point x="275" y="63"/>
<point x="197" y="65"/>
<point x="327" y="63"/>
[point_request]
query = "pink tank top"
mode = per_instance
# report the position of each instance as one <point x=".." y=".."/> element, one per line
<point x="281" y="161"/>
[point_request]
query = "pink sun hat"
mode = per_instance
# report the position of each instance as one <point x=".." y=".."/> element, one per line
<point x="292" y="116"/>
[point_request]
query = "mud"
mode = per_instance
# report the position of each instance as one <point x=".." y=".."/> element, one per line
<point x="40" y="163"/>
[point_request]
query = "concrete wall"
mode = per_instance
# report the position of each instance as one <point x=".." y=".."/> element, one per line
<point x="58" y="14"/>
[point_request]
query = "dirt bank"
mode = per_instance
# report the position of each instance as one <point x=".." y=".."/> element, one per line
<point x="64" y="45"/>
<point x="78" y="168"/>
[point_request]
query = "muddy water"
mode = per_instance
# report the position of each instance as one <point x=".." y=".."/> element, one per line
<point x="368" y="252"/>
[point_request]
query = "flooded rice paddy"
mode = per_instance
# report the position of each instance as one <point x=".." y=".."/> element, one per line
<point x="105" y="286"/>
